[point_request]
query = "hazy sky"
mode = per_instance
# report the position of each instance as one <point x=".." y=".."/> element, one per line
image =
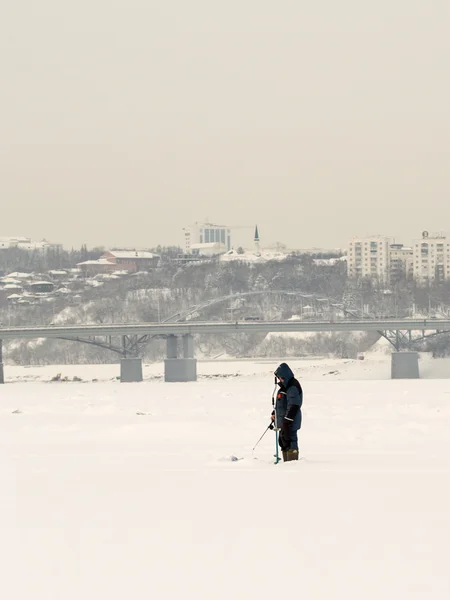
<point x="123" y="121"/>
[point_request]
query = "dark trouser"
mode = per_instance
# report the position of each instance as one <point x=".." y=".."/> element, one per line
<point x="291" y="444"/>
<point x="288" y="438"/>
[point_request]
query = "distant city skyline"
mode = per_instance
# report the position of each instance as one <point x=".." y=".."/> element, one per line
<point x="125" y="121"/>
<point x="241" y="236"/>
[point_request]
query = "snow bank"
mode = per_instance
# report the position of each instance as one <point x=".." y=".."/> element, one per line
<point x="374" y="367"/>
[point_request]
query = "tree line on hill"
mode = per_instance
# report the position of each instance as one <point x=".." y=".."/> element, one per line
<point x="174" y="287"/>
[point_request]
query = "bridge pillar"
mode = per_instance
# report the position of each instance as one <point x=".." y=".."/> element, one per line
<point x="180" y="369"/>
<point x="405" y="365"/>
<point x="130" y="370"/>
<point x="188" y="345"/>
<point x="2" y="376"/>
<point x="172" y="346"/>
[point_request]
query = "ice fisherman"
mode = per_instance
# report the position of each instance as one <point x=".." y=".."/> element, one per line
<point x="287" y="415"/>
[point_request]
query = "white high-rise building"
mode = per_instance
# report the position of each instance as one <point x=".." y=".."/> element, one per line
<point x="207" y="233"/>
<point x="369" y="257"/>
<point x="431" y="257"/>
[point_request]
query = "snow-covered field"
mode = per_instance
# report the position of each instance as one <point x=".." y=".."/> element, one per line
<point x="376" y="365"/>
<point x="117" y="491"/>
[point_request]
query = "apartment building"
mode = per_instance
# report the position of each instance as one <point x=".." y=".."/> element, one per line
<point x="369" y="257"/>
<point x="401" y="261"/>
<point x="376" y="257"/>
<point x="431" y="257"/>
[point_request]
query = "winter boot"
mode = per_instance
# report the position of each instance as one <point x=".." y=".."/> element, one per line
<point x="285" y="457"/>
<point x="291" y="455"/>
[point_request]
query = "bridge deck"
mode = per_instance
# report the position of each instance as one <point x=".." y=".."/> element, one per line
<point x="196" y="327"/>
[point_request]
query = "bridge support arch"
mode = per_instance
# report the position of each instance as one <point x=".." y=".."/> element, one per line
<point x="180" y="368"/>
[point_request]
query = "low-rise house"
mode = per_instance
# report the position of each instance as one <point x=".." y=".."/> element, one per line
<point x="8" y="281"/>
<point x="130" y="261"/>
<point x="63" y="291"/>
<point x="41" y="287"/>
<point x="14" y="298"/>
<point x="90" y="268"/>
<point x="21" y="276"/>
<point x="13" y="288"/>
<point x="57" y="274"/>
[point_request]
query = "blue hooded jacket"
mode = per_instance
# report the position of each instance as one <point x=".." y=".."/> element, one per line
<point x="285" y="372"/>
<point x="290" y="398"/>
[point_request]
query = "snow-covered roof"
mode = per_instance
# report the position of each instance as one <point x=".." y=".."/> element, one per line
<point x="42" y="283"/>
<point x="106" y="277"/>
<point x="132" y="254"/>
<point x="14" y="297"/>
<point x="93" y="283"/>
<point x="18" y="275"/>
<point x="57" y="272"/>
<point x="99" y="261"/>
<point x="12" y="286"/>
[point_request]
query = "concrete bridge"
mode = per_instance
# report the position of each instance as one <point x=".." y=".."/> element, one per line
<point x="184" y="368"/>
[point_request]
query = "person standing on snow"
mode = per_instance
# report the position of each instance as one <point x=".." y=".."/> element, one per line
<point x="288" y="411"/>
